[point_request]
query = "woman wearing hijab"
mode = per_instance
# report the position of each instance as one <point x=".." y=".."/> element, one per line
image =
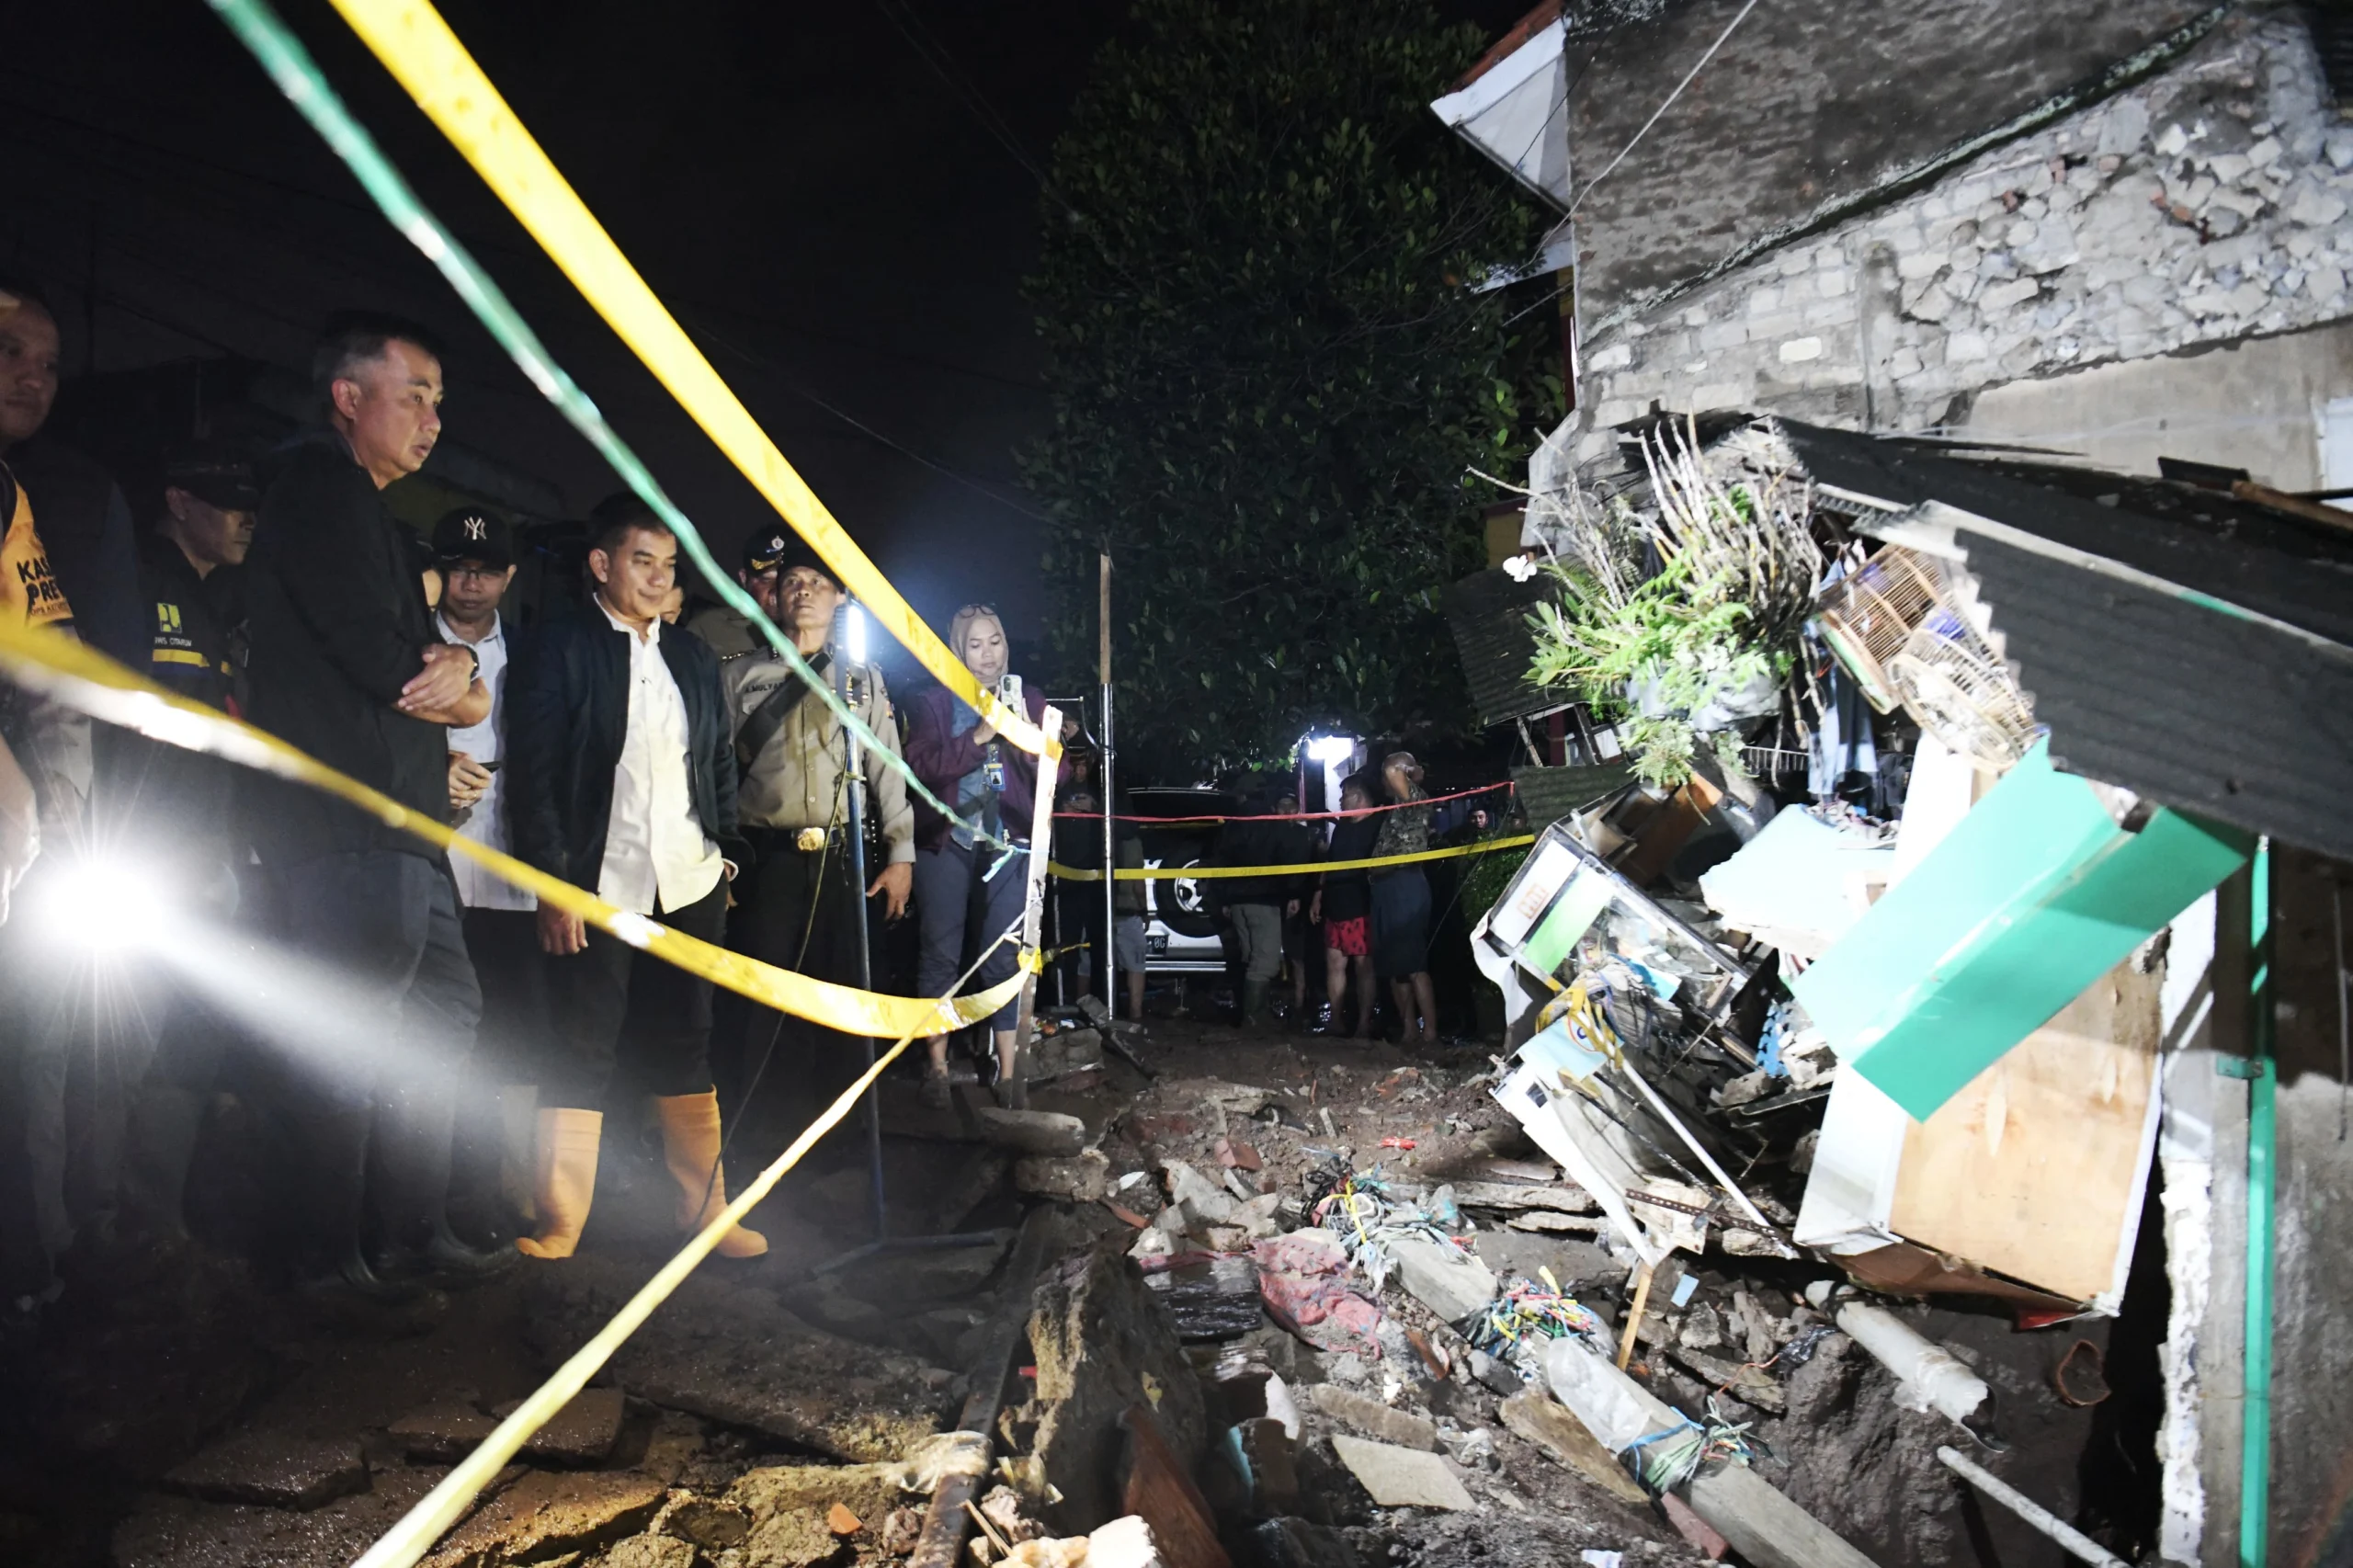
<point x="1400" y="898"/>
<point x="964" y="762"/>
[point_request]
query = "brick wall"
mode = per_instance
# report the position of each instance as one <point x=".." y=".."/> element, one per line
<point x="2208" y="204"/>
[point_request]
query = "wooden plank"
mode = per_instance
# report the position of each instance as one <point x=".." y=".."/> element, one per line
<point x="2035" y="1169"/>
<point x="1041" y="838"/>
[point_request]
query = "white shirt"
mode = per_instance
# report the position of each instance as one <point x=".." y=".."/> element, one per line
<point x="485" y="821"/>
<point x="653" y="844"/>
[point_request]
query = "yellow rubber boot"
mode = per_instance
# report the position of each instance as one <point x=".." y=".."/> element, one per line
<point x="691" y="1147"/>
<point x="563" y="1179"/>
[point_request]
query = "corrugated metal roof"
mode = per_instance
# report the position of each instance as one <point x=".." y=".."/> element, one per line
<point x="2186" y="645"/>
<point x="1488" y="614"/>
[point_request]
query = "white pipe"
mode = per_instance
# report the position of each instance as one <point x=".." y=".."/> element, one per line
<point x="1932" y="1371"/>
<point x="2077" y="1543"/>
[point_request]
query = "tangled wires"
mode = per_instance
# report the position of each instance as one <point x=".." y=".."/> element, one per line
<point x="1666" y="1459"/>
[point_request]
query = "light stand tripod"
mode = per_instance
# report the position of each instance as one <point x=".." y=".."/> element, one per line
<point x="849" y="663"/>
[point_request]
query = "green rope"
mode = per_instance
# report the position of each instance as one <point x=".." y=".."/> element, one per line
<point x="297" y="76"/>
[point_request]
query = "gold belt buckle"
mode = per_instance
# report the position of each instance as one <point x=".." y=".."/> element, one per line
<point x="810" y="839"/>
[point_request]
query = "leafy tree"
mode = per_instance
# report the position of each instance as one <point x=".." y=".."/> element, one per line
<point x="1270" y="371"/>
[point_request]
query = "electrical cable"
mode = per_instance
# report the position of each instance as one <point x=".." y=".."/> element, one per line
<point x="296" y="74"/>
<point x="413" y="42"/>
<point x="1645" y="130"/>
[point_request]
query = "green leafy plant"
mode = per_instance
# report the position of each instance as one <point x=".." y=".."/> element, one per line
<point x="1269" y="368"/>
<point x="1693" y="640"/>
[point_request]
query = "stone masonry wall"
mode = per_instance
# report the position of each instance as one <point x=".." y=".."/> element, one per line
<point x="2207" y="204"/>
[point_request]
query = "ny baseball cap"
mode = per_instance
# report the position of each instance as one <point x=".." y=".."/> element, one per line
<point x="779" y="551"/>
<point x="474" y="533"/>
<point x="218" y="473"/>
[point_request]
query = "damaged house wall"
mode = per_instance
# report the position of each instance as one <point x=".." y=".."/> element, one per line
<point x="2205" y="205"/>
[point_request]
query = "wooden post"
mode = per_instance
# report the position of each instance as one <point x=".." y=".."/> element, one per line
<point x="1033" y="915"/>
<point x="1634" y="1318"/>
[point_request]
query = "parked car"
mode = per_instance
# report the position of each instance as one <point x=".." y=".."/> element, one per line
<point x="1180" y="921"/>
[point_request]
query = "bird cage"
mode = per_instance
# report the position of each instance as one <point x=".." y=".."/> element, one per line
<point x="1868" y="615"/>
<point x="1949" y="677"/>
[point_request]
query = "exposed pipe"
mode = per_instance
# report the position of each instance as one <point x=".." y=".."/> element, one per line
<point x="2076" y="1543"/>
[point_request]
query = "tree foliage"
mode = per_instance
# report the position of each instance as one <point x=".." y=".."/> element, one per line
<point x="1271" y="371"/>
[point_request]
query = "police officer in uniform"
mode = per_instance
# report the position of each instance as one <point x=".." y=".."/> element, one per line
<point x="174" y="811"/>
<point x="801" y="910"/>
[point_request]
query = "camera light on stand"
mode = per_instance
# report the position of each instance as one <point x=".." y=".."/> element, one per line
<point x="1331" y="749"/>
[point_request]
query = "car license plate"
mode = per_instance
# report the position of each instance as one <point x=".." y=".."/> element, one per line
<point x="1155" y="945"/>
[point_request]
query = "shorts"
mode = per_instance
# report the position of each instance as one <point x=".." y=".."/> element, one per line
<point x="1127" y="944"/>
<point x="1351" y="938"/>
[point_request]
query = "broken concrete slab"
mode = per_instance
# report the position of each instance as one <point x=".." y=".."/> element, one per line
<point x="1084" y="1177"/>
<point x="443" y="1431"/>
<point x="547" y="1513"/>
<point x="1103" y="1343"/>
<point x="790" y="1509"/>
<point x="581" y="1433"/>
<point x="1566" y="1198"/>
<point x="870" y="1491"/>
<point x="709" y="1523"/>
<point x="276" y="1470"/>
<point x="1452" y="1283"/>
<point x="1547" y="1221"/>
<point x="1033" y="1132"/>
<point x="169" y="1531"/>
<point x="1751" y="1385"/>
<point x="1402" y="1478"/>
<point x="1555" y="1428"/>
<point x="1373" y="1418"/>
<point x="649" y="1552"/>
<point x="732" y="1353"/>
<point x="1202" y="1200"/>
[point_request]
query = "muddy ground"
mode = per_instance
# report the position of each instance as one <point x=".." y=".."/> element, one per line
<point x="179" y="1412"/>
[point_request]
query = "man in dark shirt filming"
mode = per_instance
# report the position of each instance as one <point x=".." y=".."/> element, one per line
<point x="346" y="666"/>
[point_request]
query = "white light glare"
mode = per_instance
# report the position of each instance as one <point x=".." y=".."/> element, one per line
<point x="1330" y="749"/>
<point x="855" y="635"/>
<point x="104" y="906"/>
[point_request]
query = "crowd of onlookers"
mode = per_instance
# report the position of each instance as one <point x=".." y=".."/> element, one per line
<point x="433" y="1052"/>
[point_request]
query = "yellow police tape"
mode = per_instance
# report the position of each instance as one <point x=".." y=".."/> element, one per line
<point x="88" y="681"/>
<point x="416" y="46"/>
<point x="414" y="1534"/>
<point x="1187" y="873"/>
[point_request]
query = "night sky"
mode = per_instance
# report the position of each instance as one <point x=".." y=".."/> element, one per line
<point x="819" y="204"/>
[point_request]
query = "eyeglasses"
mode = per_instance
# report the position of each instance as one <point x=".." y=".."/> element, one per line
<point x="989" y="610"/>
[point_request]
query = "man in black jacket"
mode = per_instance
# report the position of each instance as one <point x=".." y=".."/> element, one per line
<point x="1257" y="906"/>
<point x="623" y="774"/>
<point x="345" y="664"/>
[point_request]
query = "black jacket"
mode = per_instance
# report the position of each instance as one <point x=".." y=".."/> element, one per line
<point x="86" y="525"/>
<point x="338" y="624"/>
<point x="567" y="714"/>
<point x="1266" y="841"/>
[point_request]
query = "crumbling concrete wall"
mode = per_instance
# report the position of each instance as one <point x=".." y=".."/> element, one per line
<point x="2312" y="1402"/>
<point x="2209" y="203"/>
<point x="1803" y="106"/>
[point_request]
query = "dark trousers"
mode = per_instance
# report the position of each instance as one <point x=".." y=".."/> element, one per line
<point x="1085" y="946"/>
<point x="592" y="992"/>
<point x="379" y="1088"/>
<point x="40" y="982"/>
<point x="511" y="1045"/>
<point x="949" y="896"/>
<point x="802" y="914"/>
